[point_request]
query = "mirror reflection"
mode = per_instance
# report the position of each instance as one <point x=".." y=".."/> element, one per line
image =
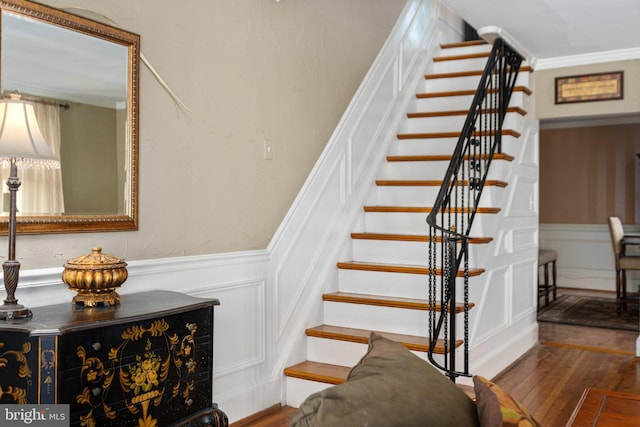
<point x="81" y="77"/>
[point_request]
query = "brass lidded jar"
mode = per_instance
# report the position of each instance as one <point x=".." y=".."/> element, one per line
<point x="95" y="277"/>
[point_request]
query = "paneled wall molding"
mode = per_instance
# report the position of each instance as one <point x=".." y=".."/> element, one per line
<point x="585" y="254"/>
<point x="238" y="280"/>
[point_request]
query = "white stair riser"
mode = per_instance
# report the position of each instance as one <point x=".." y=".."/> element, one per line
<point x="416" y="147"/>
<point x="424" y="196"/>
<point x="412" y="223"/>
<point x="453" y="66"/>
<point x="396" y="252"/>
<point x="455" y="123"/>
<point x="382" y="283"/>
<point x="461" y="102"/>
<point x="463" y="83"/>
<point x="465" y="50"/>
<point x="401" y="253"/>
<point x="449" y="84"/>
<point x="383" y="319"/>
<point x="298" y="390"/>
<point x="442" y="103"/>
<point x="337" y="352"/>
<point x="386" y="319"/>
<point x="432" y="170"/>
<point x="402" y="285"/>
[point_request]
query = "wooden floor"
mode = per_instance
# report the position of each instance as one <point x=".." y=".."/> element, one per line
<point x="550" y="378"/>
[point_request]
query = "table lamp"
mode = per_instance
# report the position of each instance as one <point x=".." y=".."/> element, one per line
<point x="21" y="142"/>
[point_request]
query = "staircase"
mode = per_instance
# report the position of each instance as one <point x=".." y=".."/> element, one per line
<point x="383" y="287"/>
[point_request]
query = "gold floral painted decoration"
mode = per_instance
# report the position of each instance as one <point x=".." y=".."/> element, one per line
<point x="13" y="393"/>
<point x="140" y="366"/>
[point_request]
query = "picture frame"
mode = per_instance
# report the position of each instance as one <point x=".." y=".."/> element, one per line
<point x="589" y="87"/>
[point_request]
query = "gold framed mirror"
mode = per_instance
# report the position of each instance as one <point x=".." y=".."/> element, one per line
<point x="83" y="76"/>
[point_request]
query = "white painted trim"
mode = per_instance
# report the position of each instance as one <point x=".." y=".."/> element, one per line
<point x="491" y="33"/>
<point x="590" y="121"/>
<point x="589" y="59"/>
<point x="490" y="361"/>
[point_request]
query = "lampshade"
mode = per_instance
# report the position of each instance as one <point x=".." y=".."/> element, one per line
<point x="20" y="136"/>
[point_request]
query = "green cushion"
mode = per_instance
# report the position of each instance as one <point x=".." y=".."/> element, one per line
<point x="390" y="386"/>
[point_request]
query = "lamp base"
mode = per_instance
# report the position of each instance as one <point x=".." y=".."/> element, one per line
<point x="13" y="311"/>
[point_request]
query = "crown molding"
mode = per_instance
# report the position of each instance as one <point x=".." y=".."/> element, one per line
<point x="589" y="59"/>
<point x="590" y="121"/>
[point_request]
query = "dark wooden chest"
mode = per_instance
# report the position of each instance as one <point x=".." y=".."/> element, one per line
<point x="145" y="362"/>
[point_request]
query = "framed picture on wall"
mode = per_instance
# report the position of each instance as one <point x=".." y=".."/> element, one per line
<point x="589" y="87"/>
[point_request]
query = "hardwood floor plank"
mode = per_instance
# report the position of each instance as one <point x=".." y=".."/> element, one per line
<point x="549" y="381"/>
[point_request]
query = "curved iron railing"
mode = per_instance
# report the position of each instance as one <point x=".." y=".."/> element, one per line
<point x="456" y="205"/>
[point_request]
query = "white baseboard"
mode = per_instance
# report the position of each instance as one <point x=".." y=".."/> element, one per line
<point x="490" y="362"/>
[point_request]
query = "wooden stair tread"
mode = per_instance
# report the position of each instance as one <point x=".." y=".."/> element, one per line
<point x="361" y="336"/>
<point x="445" y="157"/>
<point x="434" y="135"/>
<point x="423" y="209"/>
<point x="403" y="268"/>
<point x="449" y="113"/>
<point x="432" y="183"/>
<point x="409" y="237"/>
<point x="321" y="372"/>
<point x="384" y="301"/>
<point x="523" y="69"/>
<point x="465" y="92"/>
<point x="463" y="56"/>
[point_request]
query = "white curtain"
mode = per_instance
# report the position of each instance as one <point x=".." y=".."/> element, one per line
<point x="41" y="189"/>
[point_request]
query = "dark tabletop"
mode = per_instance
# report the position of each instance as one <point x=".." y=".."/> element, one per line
<point x="62" y="318"/>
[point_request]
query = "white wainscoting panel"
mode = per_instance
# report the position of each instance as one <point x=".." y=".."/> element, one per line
<point x="301" y="256"/>
<point x="240" y="323"/>
<point x="491" y="307"/>
<point x="523" y="295"/>
<point x="585" y="255"/>
<point x="522" y="199"/>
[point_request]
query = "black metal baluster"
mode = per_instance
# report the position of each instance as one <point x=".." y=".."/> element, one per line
<point x="459" y="196"/>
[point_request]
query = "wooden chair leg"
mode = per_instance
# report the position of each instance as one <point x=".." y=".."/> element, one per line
<point x="554" y="286"/>
<point x="546" y="284"/>
<point x="619" y="279"/>
<point x="624" y="290"/>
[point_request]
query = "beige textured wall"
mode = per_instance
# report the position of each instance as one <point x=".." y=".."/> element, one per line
<point x="248" y="70"/>
<point x="588" y="167"/>
<point x="589" y="174"/>
<point x="545" y="92"/>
